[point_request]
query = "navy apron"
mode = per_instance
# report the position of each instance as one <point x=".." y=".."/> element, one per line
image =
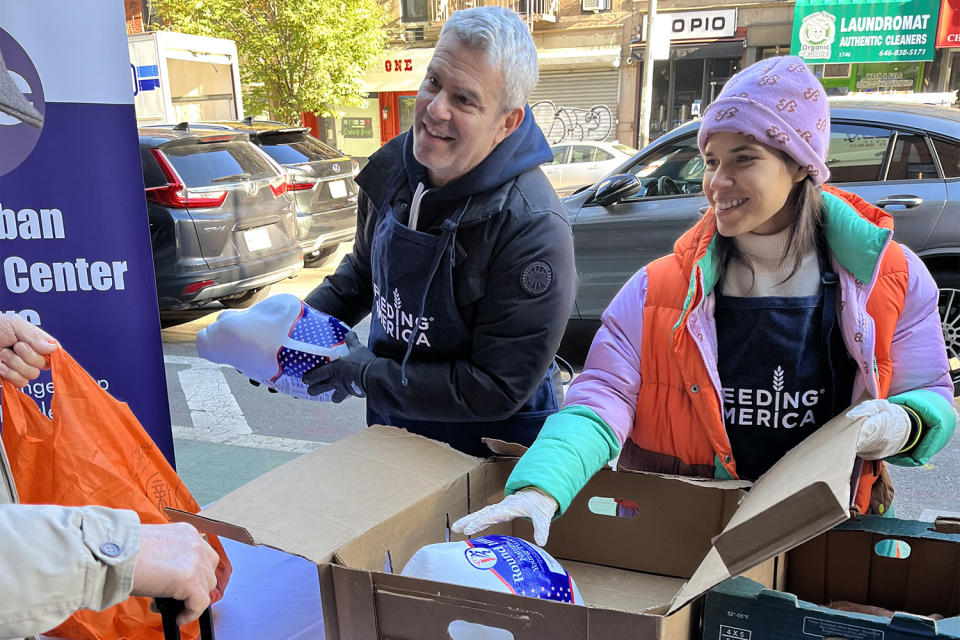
<point x="784" y="370"/>
<point x="415" y="315"/>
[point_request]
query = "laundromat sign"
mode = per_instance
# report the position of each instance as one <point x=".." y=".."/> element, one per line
<point x="869" y="31"/>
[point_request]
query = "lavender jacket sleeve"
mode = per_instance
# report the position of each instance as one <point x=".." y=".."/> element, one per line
<point x="921" y="373"/>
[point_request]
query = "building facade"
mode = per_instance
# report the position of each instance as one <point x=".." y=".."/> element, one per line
<point x="580" y="49"/>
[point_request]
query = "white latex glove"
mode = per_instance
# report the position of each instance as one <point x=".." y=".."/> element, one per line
<point x="250" y="341"/>
<point x="526" y="503"/>
<point x="885" y="430"/>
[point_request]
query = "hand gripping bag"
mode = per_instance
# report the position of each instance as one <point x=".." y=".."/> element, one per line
<point x="275" y="342"/>
<point x="95" y="452"/>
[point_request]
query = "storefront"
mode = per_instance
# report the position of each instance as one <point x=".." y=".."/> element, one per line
<point x="706" y="49"/>
<point x="947" y="63"/>
<point x="578" y="93"/>
<point x="875" y="47"/>
<point x="387" y="110"/>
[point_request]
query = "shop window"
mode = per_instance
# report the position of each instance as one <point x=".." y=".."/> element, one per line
<point x="949" y="154"/>
<point x="856" y="153"/>
<point x="414" y="10"/>
<point x="911" y="159"/>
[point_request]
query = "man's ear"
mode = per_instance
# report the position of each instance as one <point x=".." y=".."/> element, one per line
<point x="508" y="123"/>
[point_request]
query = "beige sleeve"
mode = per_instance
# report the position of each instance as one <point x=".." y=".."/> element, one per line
<point x="55" y="560"/>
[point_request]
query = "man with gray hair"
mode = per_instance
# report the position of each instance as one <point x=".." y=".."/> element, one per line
<point x="462" y="252"/>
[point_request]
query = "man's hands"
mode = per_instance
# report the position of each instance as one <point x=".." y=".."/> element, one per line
<point x="885" y="430"/>
<point x="22" y="349"/>
<point x="527" y="503"/>
<point x="176" y="562"/>
<point x="344" y="375"/>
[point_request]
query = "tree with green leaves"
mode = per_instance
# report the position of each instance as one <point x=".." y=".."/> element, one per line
<point x="295" y="55"/>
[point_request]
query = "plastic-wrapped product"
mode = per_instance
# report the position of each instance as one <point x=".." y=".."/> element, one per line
<point x="499" y="563"/>
<point x="275" y="342"/>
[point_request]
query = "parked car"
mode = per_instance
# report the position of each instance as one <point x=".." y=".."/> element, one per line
<point x="222" y="224"/>
<point x="576" y="164"/>
<point x="904" y="158"/>
<point x="320" y="179"/>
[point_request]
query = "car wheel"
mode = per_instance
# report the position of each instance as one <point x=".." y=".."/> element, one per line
<point x="949" y="305"/>
<point x="246" y="299"/>
<point x="322" y="256"/>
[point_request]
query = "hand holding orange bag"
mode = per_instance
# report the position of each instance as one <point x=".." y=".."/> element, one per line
<point x="95" y="452"/>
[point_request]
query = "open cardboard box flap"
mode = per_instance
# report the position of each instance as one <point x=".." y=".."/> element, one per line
<point x="387" y="478"/>
<point x="807" y="492"/>
<point x="378" y="474"/>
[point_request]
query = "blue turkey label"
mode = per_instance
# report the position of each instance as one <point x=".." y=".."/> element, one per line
<point x="522" y="567"/>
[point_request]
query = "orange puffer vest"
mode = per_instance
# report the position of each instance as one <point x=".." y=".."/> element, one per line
<point x="679" y="424"/>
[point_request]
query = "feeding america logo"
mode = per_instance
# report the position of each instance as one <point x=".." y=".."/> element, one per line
<point x="773" y="407"/>
<point x="398" y="323"/>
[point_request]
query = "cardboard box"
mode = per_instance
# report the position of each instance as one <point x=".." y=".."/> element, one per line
<point x="367" y="503"/>
<point x="843" y="565"/>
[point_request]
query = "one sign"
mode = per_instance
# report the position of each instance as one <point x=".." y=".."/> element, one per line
<point x="695" y="25"/>
<point x="75" y="254"/>
<point x="400" y="70"/>
<point x="948" y="33"/>
<point x="357" y="127"/>
<point x="896" y="31"/>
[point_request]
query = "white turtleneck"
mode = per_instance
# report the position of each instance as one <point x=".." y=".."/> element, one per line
<point x="766" y="255"/>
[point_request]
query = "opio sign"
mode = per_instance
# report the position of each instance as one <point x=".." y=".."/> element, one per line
<point x="697" y="25"/>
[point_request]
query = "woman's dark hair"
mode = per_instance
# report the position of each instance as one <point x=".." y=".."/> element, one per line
<point x="806" y="200"/>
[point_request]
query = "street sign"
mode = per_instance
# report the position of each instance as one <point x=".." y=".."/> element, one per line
<point x="830" y="31"/>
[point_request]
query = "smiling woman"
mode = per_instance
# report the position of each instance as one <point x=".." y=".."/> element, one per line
<point x="785" y="303"/>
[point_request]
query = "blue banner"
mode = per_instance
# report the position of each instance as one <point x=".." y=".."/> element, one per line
<point x="75" y="253"/>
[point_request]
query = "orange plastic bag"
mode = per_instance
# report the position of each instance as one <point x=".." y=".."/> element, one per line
<point x="95" y="452"/>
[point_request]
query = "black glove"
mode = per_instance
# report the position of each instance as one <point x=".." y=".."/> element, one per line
<point x="345" y="375"/>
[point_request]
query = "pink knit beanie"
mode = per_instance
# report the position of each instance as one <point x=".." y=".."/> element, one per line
<point x="780" y="103"/>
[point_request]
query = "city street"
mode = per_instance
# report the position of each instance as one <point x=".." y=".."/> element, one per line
<point x="227" y="431"/>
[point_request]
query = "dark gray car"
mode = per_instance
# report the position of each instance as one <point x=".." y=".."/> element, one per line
<point x="320" y="179"/>
<point x="903" y="158"/>
<point x="222" y="225"/>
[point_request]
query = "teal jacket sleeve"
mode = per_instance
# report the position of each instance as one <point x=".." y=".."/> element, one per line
<point x="937" y="422"/>
<point x="573" y="445"/>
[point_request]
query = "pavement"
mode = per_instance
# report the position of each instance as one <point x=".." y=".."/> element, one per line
<point x="227" y="432"/>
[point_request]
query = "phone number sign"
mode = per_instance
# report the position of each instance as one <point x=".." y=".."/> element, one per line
<point x="876" y="31"/>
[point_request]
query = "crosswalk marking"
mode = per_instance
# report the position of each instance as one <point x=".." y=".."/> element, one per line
<point x="214" y="413"/>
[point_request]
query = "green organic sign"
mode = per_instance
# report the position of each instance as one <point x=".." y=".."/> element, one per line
<point x="357" y="128"/>
<point x="831" y="31"/>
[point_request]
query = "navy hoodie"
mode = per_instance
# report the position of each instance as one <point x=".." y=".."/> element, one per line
<point x="514" y="220"/>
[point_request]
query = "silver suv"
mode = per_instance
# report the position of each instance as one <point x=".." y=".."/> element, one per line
<point x="222" y="224"/>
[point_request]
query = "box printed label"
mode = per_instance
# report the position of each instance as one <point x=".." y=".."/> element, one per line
<point x="829" y="629"/>
<point x="734" y="633"/>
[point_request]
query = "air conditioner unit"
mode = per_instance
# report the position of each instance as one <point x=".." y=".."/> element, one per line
<point x="595" y="5"/>
<point x="837" y="70"/>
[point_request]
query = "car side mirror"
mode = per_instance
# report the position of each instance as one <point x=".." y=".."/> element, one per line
<point x="616" y="188"/>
